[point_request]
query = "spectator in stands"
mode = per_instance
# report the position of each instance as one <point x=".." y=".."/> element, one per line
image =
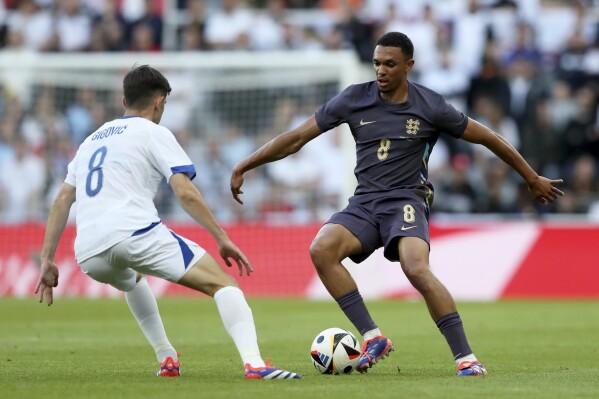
<point x="570" y="64"/>
<point x="455" y="188"/>
<point x="256" y="200"/>
<point x="358" y="28"/>
<point x="3" y="27"/>
<point x="44" y="114"/>
<point x="192" y="38"/>
<point x="178" y="114"/>
<point x="591" y="59"/>
<point x="582" y="185"/>
<point x="299" y="174"/>
<point x="227" y="28"/>
<point x="73" y="26"/>
<point x="537" y="68"/>
<point x="310" y="40"/>
<point x="492" y="114"/>
<point x="267" y="31"/>
<point x="524" y="47"/>
<point x="8" y="128"/>
<point x="503" y="19"/>
<point x="108" y="29"/>
<point x="239" y="144"/>
<point x="528" y="82"/>
<point x="21" y="184"/>
<point x="13" y="41"/>
<point x="192" y="34"/>
<point x="326" y="152"/>
<point x="57" y="152"/>
<point x="79" y="114"/>
<point x="445" y="77"/>
<point x="423" y="28"/>
<point x="213" y="180"/>
<point x="541" y="138"/>
<point x="34" y="24"/>
<point x="142" y="38"/>
<point x="581" y="134"/>
<point x="12" y="107"/>
<point x="300" y="177"/>
<point x="562" y="105"/>
<point x="469" y="36"/>
<point x="585" y="182"/>
<point x="275" y="207"/>
<point x="501" y="192"/>
<point x="99" y="113"/>
<point x="144" y="27"/>
<point x="489" y="82"/>
<point x="336" y="39"/>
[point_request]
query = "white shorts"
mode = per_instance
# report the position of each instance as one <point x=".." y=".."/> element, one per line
<point x="158" y="252"/>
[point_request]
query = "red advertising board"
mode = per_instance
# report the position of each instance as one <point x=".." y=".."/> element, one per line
<point x="476" y="261"/>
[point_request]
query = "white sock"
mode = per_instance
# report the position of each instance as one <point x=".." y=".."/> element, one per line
<point x="470" y="358"/>
<point x="143" y="305"/>
<point x="239" y="322"/>
<point x="371" y="334"/>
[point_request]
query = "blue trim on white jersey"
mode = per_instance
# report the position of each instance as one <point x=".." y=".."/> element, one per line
<point x="129" y="116"/>
<point x="145" y="229"/>
<point x="187" y="253"/>
<point x="189" y="170"/>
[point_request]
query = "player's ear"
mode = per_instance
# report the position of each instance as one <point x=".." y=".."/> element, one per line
<point x="159" y="102"/>
<point x="409" y="65"/>
<point x="124" y="102"/>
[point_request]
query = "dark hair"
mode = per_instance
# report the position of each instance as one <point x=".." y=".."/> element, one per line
<point x="142" y="84"/>
<point x="397" y="39"/>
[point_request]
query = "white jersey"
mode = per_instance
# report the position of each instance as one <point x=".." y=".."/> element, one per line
<point x="116" y="173"/>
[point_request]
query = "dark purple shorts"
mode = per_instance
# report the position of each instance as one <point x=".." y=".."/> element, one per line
<point x="382" y="221"/>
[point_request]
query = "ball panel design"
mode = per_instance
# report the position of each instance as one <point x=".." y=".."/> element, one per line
<point x="335" y="351"/>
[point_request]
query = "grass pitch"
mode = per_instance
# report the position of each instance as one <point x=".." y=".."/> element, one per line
<point x="94" y="349"/>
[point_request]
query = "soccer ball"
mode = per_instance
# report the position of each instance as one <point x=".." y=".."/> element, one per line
<point x="335" y="351"/>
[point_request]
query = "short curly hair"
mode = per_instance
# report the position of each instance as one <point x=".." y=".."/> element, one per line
<point x="397" y="39"/>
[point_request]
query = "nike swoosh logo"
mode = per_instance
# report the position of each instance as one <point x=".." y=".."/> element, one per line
<point x="407" y="227"/>
<point x="362" y="123"/>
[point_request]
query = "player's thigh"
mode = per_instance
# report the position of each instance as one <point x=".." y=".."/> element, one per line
<point x="102" y="270"/>
<point x="207" y="276"/>
<point x="356" y="235"/>
<point x="160" y="253"/>
<point x="414" y="255"/>
<point x="336" y="242"/>
<point x="399" y="218"/>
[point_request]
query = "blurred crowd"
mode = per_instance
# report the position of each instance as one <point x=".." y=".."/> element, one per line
<point x="528" y="69"/>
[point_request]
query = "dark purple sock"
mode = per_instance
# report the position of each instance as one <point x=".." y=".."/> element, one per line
<point x="453" y="330"/>
<point x="354" y="308"/>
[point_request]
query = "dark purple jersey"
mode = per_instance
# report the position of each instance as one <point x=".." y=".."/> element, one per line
<point x="393" y="141"/>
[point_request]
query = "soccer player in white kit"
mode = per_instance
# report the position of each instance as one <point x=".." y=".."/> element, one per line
<point x="112" y="180"/>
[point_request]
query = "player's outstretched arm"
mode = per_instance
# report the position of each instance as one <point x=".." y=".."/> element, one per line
<point x="542" y="188"/>
<point x="194" y="204"/>
<point x="280" y="147"/>
<point x="57" y="220"/>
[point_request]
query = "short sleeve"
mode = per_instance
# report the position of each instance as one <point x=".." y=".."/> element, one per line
<point x="168" y="156"/>
<point x="333" y="113"/>
<point x="449" y="120"/>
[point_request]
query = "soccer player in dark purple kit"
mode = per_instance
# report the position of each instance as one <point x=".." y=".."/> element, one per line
<point x="395" y="124"/>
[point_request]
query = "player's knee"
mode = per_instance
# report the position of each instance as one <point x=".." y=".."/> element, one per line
<point x="324" y="255"/>
<point x="227" y="281"/>
<point x="418" y="273"/>
<point x="320" y="253"/>
<point x="212" y="288"/>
